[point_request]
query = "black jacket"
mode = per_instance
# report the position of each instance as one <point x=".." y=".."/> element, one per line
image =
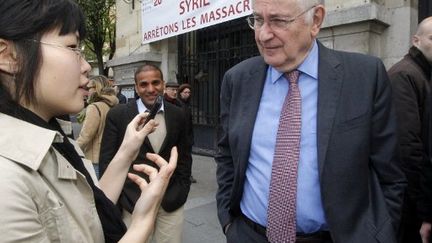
<point x="116" y="122"/>
<point x="410" y="80"/>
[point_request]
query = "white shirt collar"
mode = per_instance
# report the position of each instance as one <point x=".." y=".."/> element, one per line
<point x="143" y="108"/>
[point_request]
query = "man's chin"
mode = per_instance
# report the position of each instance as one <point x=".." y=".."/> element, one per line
<point x="272" y="61"/>
<point x="148" y="101"/>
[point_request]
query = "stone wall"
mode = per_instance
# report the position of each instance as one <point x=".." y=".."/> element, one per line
<point x="381" y="28"/>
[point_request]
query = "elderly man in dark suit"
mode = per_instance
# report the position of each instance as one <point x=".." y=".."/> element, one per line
<point x="307" y="149"/>
<point x="170" y="132"/>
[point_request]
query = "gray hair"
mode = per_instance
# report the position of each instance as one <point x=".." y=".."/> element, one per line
<point x="305" y="4"/>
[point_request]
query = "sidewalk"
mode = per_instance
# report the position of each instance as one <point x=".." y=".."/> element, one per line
<point x="201" y="222"/>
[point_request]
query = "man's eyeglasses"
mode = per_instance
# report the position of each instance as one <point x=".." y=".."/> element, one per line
<point x="276" y="23"/>
<point x="78" y="50"/>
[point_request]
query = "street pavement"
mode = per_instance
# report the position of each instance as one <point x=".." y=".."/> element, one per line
<point x="201" y="222"/>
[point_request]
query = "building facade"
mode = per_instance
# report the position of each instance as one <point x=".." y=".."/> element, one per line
<point x="382" y="28"/>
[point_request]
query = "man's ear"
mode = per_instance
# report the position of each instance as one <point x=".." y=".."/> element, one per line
<point x="8" y="57"/>
<point x="318" y="19"/>
<point x="415" y="40"/>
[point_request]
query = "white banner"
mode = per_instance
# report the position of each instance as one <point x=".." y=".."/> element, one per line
<point x="165" y="18"/>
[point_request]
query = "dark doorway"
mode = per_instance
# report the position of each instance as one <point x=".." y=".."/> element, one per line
<point x="204" y="56"/>
<point x="424" y="9"/>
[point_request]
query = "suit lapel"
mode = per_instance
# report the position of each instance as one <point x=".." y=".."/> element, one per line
<point x="329" y="87"/>
<point x="132" y="110"/>
<point x="168" y="124"/>
<point x="254" y="82"/>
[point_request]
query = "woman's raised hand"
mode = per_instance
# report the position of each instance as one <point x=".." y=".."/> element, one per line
<point x="135" y="134"/>
<point x="152" y="192"/>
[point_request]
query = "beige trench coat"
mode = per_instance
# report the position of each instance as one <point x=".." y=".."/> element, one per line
<point x="90" y="136"/>
<point x="43" y="198"/>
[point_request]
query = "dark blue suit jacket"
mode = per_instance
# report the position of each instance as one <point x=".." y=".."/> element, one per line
<point x="361" y="181"/>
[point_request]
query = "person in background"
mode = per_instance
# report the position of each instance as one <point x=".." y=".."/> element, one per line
<point x="170" y="93"/>
<point x="307" y="148"/>
<point x="51" y="193"/>
<point x="118" y="90"/>
<point x="82" y="114"/>
<point x="411" y="83"/>
<point x="101" y="99"/>
<point x="149" y="84"/>
<point x="184" y="93"/>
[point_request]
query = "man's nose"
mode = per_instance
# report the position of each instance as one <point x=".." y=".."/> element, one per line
<point x="151" y="88"/>
<point x="265" y="32"/>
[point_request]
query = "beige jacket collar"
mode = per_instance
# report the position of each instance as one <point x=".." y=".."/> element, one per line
<point x="28" y="144"/>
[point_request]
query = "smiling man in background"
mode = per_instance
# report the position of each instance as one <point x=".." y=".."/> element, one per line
<point x="170" y="132"/>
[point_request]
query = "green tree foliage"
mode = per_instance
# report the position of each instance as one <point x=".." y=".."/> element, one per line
<point x="101" y="29"/>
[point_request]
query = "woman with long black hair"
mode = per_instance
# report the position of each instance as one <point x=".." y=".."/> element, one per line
<point x="49" y="192"/>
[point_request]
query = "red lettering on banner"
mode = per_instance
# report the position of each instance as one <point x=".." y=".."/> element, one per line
<point x="188" y="23"/>
<point x="186" y="6"/>
<point x="225" y="11"/>
<point x="157" y="2"/>
<point x="160" y="31"/>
